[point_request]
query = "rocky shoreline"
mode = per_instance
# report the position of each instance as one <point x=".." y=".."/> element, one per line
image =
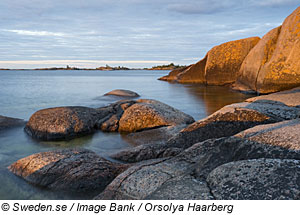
<point x="247" y="150"/>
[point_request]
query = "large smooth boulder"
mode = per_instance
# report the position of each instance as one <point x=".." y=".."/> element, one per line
<point x="122" y="93"/>
<point x="62" y="123"/>
<point x="274" y="64"/>
<point x="220" y="66"/>
<point x="149" y="114"/>
<point x="71" y="169"/>
<point x="256" y="58"/>
<point x="8" y="122"/>
<point x="256" y="179"/>
<point x="225" y="60"/>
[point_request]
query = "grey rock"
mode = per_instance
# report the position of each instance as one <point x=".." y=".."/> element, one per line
<point x="122" y="93"/>
<point x="284" y="134"/>
<point x="149" y="179"/>
<point x="289" y="98"/>
<point x="152" y="136"/>
<point x="256" y="179"/>
<point x="182" y="188"/>
<point x="276" y="110"/>
<point x="71" y="169"/>
<point x="146" y="152"/>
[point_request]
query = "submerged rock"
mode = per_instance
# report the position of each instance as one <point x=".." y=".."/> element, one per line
<point x="256" y="179"/>
<point x="62" y="123"/>
<point x="71" y="169"/>
<point x="122" y="93"/>
<point x="8" y="122"/>
<point x="148" y="114"/>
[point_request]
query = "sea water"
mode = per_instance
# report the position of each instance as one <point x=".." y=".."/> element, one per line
<point x="22" y="92"/>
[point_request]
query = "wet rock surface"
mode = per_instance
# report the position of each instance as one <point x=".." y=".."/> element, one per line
<point x="76" y="170"/>
<point x="256" y="179"/>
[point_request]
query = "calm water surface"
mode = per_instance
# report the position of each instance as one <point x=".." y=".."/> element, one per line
<point x="24" y="92"/>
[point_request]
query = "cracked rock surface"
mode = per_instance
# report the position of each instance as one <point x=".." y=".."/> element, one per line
<point x="154" y="178"/>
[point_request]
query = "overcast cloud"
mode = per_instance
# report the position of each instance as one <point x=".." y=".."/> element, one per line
<point x="135" y="33"/>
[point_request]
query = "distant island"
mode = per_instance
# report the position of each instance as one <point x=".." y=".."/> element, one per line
<point x="170" y="66"/>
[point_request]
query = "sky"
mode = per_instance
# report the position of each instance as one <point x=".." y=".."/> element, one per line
<point x="132" y="33"/>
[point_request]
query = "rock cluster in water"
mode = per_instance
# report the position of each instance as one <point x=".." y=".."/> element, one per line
<point x="124" y="116"/>
<point x="264" y="65"/>
<point x="247" y="150"/>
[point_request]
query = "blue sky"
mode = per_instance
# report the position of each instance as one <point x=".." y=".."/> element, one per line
<point x="134" y="33"/>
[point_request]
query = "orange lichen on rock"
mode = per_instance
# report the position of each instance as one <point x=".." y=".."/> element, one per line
<point x="220" y="66"/>
<point x="274" y="63"/>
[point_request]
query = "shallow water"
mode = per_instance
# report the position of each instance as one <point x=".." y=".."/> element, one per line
<point x="24" y="92"/>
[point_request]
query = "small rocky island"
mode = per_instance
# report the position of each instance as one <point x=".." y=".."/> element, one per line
<point x="248" y="150"/>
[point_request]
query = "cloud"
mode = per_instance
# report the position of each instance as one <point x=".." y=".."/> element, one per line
<point x="36" y="33"/>
<point x="274" y="3"/>
<point x="200" y="7"/>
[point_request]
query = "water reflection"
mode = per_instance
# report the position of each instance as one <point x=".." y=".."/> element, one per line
<point x="214" y="98"/>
